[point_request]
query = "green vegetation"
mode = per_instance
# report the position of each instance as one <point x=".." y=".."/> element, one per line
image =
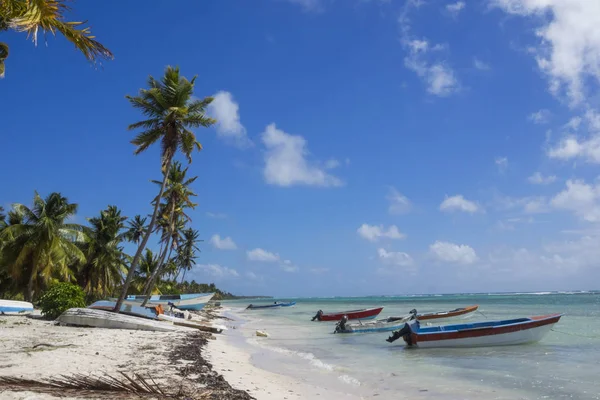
<point x="59" y="298"/>
<point x="33" y="16"/>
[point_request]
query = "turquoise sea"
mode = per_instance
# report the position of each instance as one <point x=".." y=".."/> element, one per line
<point x="564" y="365"/>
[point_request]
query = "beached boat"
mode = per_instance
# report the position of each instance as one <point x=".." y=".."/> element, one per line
<point x="192" y="301"/>
<point x="393" y="323"/>
<point x="127" y="309"/>
<point x="274" y="305"/>
<point x="106" y="319"/>
<point x="478" y="334"/>
<point x="13" y="307"/>
<point x="367" y="313"/>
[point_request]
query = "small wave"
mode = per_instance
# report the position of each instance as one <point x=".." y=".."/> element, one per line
<point x="349" y="380"/>
<point x="310" y="357"/>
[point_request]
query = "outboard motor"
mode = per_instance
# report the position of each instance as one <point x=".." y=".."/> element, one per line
<point x="318" y="315"/>
<point x="402" y="333"/>
<point x="341" y="326"/>
<point x="413" y="314"/>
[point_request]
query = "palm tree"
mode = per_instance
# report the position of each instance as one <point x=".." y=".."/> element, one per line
<point x="171" y="113"/>
<point x="186" y="253"/>
<point x="177" y="196"/>
<point x="31" y="16"/>
<point x="148" y="263"/>
<point x="43" y="243"/>
<point x="105" y="260"/>
<point x="136" y="229"/>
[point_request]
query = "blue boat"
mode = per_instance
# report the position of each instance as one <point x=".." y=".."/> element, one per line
<point x="274" y="305"/>
<point x="191" y="301"/>
<point x="13" y="307"/>
<point x="127" y="309"/>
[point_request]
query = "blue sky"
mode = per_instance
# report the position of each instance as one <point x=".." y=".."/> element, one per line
<point x="364" y="146"/>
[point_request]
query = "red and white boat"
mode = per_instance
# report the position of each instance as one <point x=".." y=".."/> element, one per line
<point x="478" y="334"/>
<point x="366" y="313"/>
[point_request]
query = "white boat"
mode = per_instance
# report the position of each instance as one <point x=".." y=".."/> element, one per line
<point x="106" y="319"/>
<point x="192" y="301"/>
<point x="479" y="334"/>
<point x="13" y="307"/>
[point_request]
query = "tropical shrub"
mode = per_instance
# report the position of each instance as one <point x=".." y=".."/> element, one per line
<point x="59" y="298"/>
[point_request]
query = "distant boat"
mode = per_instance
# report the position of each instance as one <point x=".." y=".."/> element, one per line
<point x="110" y="320"/>
<point x="489" y="333"/>
<point x="127" y="309"/>
<point x="393" y="323"/>
<point x="192" y="301"/>
<point x="274" y="305"/>
<point x="367" y="313"/>
<point x="13" y="307"/>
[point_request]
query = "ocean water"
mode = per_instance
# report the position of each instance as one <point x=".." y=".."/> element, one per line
<point x="564" y="365"/>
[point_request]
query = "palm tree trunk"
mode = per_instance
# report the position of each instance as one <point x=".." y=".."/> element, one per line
<point x="29" y="291"/>
<point x="183" y="277"/>
<point x="156" y="273"/>
<point x="138" y="253"/>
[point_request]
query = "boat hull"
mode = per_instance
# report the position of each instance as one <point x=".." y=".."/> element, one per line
<point x="465" y="312"/>
<point x="375" y="326"/>
<point x="13" y="307"/>
<point x="267" y="306"/>
<point x="127" y="309"/>
<point x="365" y="314"/>
<point x="195" y="302"/>
<point x="109" y="320"/>
<point x="505" y="339"/>
<point x="480" y="334"/>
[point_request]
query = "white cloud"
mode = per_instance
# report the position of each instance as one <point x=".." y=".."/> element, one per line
<point x="480" y="65"/>
<point x="286" y="163"/>
<point x="540" y="117"/>
<point x="319" y="271"/>
<point x="425" y="60"/>
<point x="216" y="215"/>
<point x="399" y="204"/>
<point x="226" y="111"/>
<point x="568" y="48"/>
<point x="259" y="254"/>
<point x="374" y="232"/>
<point x="226" y="243"/>
<point x="585" y="147"/>
<point x="459" y="203"/>
<point x="528" y="205"/>
<point x="501" y="163"/>
<point x="581" y="198"/>
<point x="455" y="8"/>
<point x="453" y="253"/>
<point x="396" y="258"/>
<point x="218" y="271"/>
<point x="288" y="266"/>
<point x="332" y="163"/>
<point x="308" y="5"/>
<point x="538" y="179"/>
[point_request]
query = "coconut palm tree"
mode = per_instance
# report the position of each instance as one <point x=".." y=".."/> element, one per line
<point x="172" y="112"/>
<point x="177" y="197"/>
<point x="186" y="253"/>
<point x="148" y="263"/>
<point x="43" y="243"/>
<point x="32" y="16"/>
<point x="136" y="229"/>
<point x="105" y="262"/>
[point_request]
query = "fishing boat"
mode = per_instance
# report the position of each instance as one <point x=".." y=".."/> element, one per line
<point x="13" y="307"/>
<point x="393" y="323"/>
<point x="367" y="313"/>
<point x="110" y="320"/>
<point x="274" y="305"/>
<point x="478" y="334"/>
<point x="192" y="301"/>
<point x="127" y="309"/>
